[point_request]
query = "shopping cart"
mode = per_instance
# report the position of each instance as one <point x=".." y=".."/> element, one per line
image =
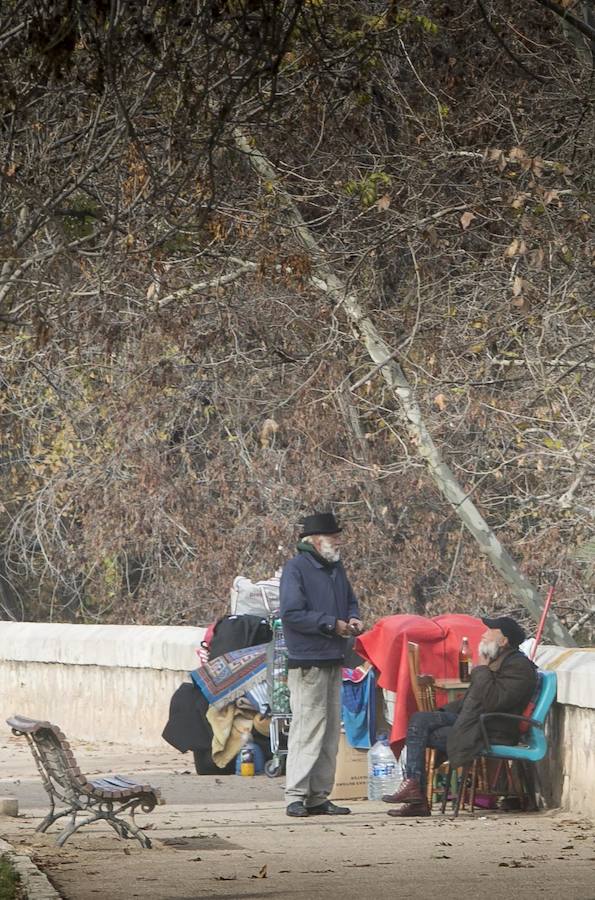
<point x="280" y="710"/>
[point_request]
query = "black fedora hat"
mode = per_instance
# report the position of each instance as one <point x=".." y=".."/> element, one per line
<point x="319" y="523"/>
<point x="509" y="627"/>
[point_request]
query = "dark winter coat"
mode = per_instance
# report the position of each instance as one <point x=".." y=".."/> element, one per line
<point x="505" y="685"/>
<point x="312" y="597"/>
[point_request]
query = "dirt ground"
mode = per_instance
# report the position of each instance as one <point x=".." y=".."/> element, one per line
<point x="229" y="838"/>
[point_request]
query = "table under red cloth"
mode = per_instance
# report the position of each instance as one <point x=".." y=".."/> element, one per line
<point x="439" y="639"/>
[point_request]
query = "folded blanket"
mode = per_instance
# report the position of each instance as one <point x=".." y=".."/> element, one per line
<point x="225" y="678"/>
<point x="230" y="725"/>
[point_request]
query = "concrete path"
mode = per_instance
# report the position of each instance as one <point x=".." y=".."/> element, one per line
<point x="229" y="838"/>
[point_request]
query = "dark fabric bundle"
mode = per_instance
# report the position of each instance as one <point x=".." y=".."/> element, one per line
<point x="187" y="727"/>
<point x="236" y="632"/>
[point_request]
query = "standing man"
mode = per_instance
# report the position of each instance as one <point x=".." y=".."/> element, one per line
<point x="319" y="612"/>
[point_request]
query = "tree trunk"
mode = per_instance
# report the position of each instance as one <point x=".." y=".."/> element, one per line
<point x="325" y="279"/>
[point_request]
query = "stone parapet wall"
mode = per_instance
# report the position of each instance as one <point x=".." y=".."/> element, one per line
<point x="97" y="682"/>
<point x="575" y="668"/>
<point x="568" y="772"/>
<point x="128" y="646"/>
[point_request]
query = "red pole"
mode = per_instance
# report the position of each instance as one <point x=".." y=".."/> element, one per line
<point x="546" y="609"/>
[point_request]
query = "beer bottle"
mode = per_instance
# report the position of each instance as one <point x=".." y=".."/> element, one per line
<point x="465" y="661"/>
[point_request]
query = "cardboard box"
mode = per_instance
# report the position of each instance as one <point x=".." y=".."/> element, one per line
<point x="351" y="776"/>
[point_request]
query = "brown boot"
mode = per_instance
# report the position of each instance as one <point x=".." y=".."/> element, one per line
<point x="411" y="810"/>
<point x="409" y="792"/>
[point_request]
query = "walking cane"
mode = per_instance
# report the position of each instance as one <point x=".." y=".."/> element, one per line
<point x="546" y="609"/>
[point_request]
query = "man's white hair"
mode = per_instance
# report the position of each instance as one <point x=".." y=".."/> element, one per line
<point x="326" y="549"/>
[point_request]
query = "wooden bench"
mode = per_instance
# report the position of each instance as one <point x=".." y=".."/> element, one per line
<point x="102" y="799"/>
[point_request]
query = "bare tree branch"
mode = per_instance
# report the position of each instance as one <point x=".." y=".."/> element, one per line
<point x="441" y="473"/>
<point x="209" y="284"/>
<point x="567" y="16"/>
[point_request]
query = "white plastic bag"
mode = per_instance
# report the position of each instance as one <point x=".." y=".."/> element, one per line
<point x="254" y="598"/>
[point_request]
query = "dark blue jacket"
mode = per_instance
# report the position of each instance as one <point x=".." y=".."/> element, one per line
<point x="312" y="598"/>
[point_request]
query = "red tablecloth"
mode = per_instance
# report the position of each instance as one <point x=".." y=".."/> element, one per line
<point x="439" y="639"/>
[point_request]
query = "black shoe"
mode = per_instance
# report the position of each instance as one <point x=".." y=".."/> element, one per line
<point x="297" y="809"/>
<point x="327" y="809"/>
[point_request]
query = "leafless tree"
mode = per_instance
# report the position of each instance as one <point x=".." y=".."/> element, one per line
<point x="179" y="383"/>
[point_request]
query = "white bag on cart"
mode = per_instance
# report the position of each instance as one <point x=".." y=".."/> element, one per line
<point x="255" y="598"/>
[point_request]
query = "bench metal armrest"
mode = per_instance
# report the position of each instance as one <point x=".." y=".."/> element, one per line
<point x="500" y="715"/>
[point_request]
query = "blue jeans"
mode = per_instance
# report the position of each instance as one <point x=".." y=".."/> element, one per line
<point x="426" y="729"/>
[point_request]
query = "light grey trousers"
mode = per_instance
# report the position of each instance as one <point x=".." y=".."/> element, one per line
<point x="313" y="734"/>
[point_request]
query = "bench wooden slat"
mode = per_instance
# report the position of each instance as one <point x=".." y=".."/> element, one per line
<point x="137" y="785"/>
<point x="105" y="790"/>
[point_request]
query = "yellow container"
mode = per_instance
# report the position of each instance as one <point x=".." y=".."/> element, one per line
<point x="246" y="761"/>
<point x="247" y="768"/>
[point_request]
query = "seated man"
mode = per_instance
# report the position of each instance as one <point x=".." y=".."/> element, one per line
<point x="504" y="681"/>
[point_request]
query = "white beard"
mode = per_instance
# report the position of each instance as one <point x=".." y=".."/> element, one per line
<point x="329" y="551"/>
<point x="489" y="649"/>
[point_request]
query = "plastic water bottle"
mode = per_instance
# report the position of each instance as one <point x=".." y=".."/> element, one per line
<point x="384" y="771"/>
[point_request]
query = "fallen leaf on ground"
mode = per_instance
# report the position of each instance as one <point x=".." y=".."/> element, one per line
<point x="316" y="871"/>
<point x="262" y="872"/>
<point x="517" y="864"/>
